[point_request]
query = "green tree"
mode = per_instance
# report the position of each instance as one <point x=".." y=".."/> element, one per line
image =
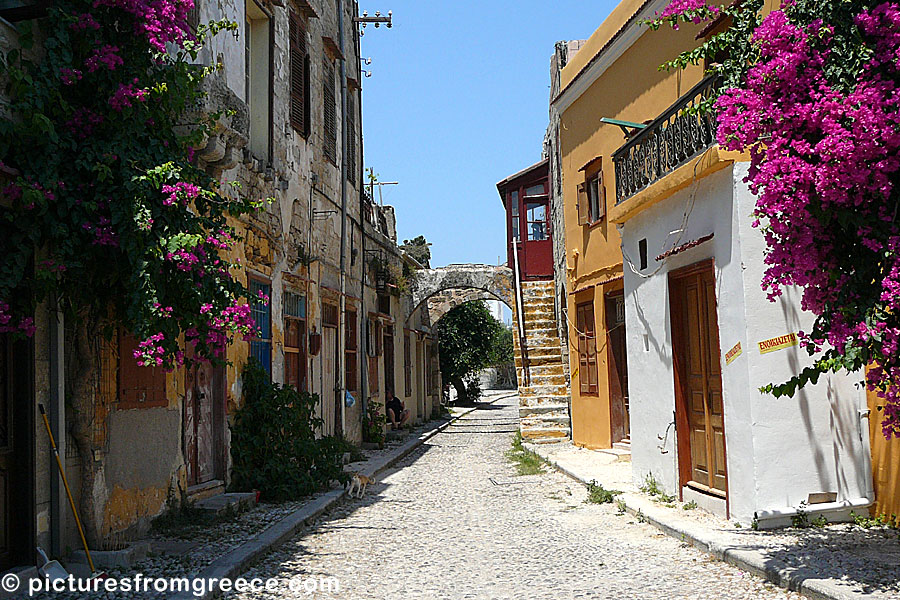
<point x="419" y="249"/>
<point x="468" y="341"/>
<point x="503" y="358"/>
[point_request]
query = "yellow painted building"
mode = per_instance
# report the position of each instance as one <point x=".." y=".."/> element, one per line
<point x="613" y="76"/>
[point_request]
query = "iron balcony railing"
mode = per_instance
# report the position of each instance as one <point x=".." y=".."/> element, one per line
<point x="679" y="134"/>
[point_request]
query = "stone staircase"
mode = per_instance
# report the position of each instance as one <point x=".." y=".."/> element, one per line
<point x="543" y="389"/>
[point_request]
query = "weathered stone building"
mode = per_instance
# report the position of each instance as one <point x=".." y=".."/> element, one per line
<point x="562" y="53"/>
<point x="338" y="323"/>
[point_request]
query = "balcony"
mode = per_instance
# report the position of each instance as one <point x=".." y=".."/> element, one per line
<point x="679" y="134"/>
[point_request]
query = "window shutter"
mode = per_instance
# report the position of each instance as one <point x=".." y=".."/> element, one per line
<point x="584" y="204"/>
<point x="601" y="197"/>
<point x="330" y="142"/>
<point x="582" y="351"/>
<point x="299" y="76"/>
<point x="351" y="138"/>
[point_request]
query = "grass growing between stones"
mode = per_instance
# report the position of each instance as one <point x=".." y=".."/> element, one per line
<point x="526" y="461"/>
<point x="597" y="494"/>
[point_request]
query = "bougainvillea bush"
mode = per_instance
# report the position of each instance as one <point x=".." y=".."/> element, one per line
<point x="107" y="211"/>
<point x="811" y="92"/>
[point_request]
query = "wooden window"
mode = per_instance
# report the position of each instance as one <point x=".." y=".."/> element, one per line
<point x="592" y="194"/>
<point x="407" y="365"/>
<point x="587" y="349"/>
<point x="384" y="303"/>
<point x="261" y="343"/>
<point x="295" y="355"/>
<point x="330" y="315"/>
<point x="351" y="347"/>
<point x="139" y="387"/>
<point x="536" y="219"/>
<point x="514" y="214"/>
<point x="351" y="138"/>
<point x="329" y="100"/>
<point x="258" y="78"/>
<point x="299" y="57"/>
<point x="596" y="197"/>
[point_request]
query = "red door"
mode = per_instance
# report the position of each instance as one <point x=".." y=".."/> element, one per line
<point x="536" y="245"/>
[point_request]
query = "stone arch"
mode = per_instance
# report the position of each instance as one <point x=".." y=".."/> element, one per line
<point x="443" y="302"/>
<point x="453" y="285"/>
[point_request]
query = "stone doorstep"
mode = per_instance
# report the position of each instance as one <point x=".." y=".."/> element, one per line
<point x="106" y="559"/>
<point x="753" y="561"/>
<point x="619" y="453"/>
<point x="233" y="563"/>
<point x="202" y="491"/>
<point x="237" y="502"/>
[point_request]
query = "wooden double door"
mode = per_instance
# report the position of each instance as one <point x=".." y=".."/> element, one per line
<point x="699" y="411"/>
<point x="204" y="423"/>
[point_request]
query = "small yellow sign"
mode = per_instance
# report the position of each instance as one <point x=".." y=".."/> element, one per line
<point x="778" y="343"/>
<point x="733" y="353"/>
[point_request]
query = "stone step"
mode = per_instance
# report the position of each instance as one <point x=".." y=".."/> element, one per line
<point x="527" y="411"/>
<point x="537" y="421"/>
<point x="532" y="316"/>
<point x="544" y="348"/>
<point x="539" y="305"/>
<point x="540" y="360"/>
<point x="542" y="380"/>
<point x="544" y="390"/>
<point x="545" y="435"/>
<point x="537" y="370"/>
<point x="622" y="455"/>
<point x="549" y="404"/>
<point x="544" y="351"/>
<point x="540" y="325"/>
<point x="234" y="502"/>
<point x="625" y="446"/>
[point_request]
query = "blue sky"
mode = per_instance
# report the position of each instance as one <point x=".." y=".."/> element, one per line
<point x="458" y="100"/>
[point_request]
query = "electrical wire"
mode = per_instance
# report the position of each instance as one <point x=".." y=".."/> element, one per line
<point x="689" y="208"/>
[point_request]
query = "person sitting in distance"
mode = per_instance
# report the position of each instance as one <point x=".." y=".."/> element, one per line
<point x="396" y="412"/>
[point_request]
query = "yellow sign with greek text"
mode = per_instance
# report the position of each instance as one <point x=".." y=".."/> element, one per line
<point x="733" y="353"/>
<point x="778" y="343"/>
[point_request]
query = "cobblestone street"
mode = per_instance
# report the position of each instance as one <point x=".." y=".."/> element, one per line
<point x="453" y="520"/>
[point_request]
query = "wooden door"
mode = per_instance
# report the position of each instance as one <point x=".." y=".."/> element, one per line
<point x="700" y="418"/>
<point x="15" y="447"/>
<point x="389" y="361"/>
<point x="203" y="419"/>
<point x="618" y="367"/>
<point x="329" y="393"/>
<point x="538" y="246"/>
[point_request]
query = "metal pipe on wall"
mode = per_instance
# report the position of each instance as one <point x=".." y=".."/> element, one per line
<point x="341" y="342"/>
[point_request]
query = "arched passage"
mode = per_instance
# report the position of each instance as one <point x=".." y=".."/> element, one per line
<point x="453" y="285"/>
<point x="443" y="302"/>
